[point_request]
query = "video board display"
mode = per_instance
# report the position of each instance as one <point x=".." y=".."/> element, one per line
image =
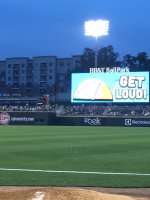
<point x="117" y="87"/>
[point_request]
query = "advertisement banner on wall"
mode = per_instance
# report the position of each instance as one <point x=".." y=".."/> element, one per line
<point x="137" y="122"/>
<point x="117" y="87"/>
<point x="4" y="118"/>
<point x="27" y="118"/>
<point x="103" y="121"/>
<point x="16" y="118"/>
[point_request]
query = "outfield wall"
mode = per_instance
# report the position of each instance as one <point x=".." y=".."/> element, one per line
<point x="49" y="118"/>
<point x="103" y="121"/>
<point x="27" y="118"/>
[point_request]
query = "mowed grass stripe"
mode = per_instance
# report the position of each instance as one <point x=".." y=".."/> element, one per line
<point x="108" y="149"/>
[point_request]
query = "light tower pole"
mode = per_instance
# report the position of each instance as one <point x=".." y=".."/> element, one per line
<point x="96" y="28"/>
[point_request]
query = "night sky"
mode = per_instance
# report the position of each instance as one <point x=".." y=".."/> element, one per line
<point x="56" y="27"/>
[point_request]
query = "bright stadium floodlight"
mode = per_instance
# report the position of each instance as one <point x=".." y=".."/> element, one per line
<point x="96" y="29"/>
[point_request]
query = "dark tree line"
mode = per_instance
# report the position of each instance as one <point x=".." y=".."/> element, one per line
<point x="107" y="57"/>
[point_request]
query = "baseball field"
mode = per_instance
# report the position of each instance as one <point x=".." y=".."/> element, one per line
<point x="75" y="156"/>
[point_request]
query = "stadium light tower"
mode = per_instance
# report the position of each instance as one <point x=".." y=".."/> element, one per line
<point x="96" y="28"/>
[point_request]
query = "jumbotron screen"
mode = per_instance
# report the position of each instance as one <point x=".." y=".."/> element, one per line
<point x="117" y="87"/>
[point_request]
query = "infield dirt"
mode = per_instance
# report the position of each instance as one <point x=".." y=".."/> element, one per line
<point x="55" y="193"/>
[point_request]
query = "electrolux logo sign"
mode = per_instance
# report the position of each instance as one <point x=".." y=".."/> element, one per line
<point x="141" y="122"/>
<point x="137" y="122"/>
<point x="128" y="122"/>
<point x="93" y="121"/>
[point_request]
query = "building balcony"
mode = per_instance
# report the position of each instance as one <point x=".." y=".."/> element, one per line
<point x="43" y="80"/>
<point x="29" y="74"/>
<point x="43" y="85"/>
<point x="16" y="80"/>
<point x="15" y="87"/>
<point x="29" y="79"/>
<point x="43" y="66"/>
<point x="14" y="75"/>
<point x="43" y="72"/>
<point x="16" y="68"/>
<point x="28" y="87"/>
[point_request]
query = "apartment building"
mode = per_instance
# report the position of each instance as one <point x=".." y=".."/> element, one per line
<point x="38" y="76"/>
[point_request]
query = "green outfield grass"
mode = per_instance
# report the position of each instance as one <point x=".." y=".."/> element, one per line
<point x="85" y="149"/>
